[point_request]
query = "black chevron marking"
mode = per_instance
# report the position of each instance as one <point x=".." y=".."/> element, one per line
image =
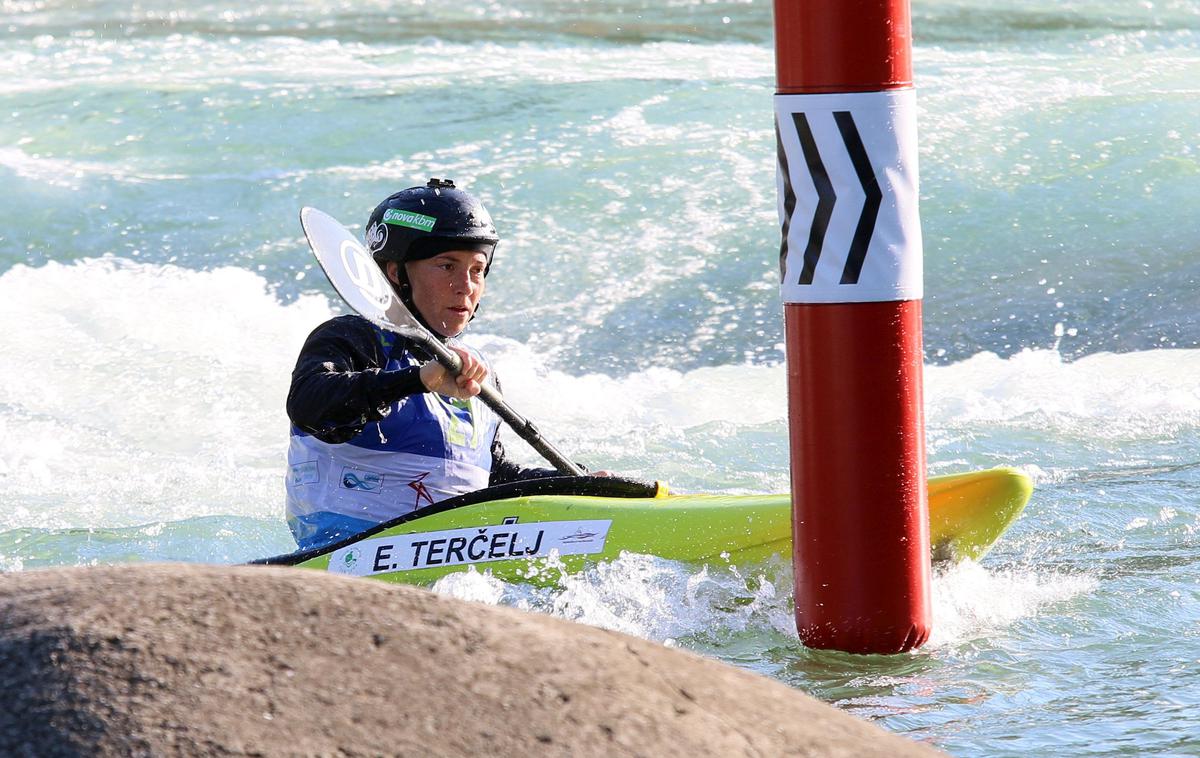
<point x="826" y="197"/>
<point x="870" y="212"/>
<point x="789" y="199"/>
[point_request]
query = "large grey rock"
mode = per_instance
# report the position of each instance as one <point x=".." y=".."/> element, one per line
<point x="185" y="659"/>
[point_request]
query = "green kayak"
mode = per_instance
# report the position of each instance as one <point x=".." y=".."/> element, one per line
<point x="512" y="530"/>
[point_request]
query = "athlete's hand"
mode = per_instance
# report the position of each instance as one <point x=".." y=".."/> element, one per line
<point x="467" y="384"/>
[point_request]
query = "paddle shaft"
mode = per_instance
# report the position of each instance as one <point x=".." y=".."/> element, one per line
<point x="489" y="395"/>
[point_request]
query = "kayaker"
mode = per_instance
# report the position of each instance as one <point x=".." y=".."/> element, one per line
<point x="378" y="427"/>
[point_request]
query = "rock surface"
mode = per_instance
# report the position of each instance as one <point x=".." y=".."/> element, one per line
<point x="186" y="659"/>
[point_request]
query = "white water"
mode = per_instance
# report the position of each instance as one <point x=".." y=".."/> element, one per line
<point x="627" y="154"/>
<point x="134" y="393"/>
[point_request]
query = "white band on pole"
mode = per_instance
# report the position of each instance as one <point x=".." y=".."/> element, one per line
<point x="847" y="176"/>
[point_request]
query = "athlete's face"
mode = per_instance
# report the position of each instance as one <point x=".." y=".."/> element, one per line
<point x="446" y="288"/>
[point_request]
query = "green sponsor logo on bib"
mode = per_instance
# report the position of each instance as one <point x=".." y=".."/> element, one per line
<point x="409" y="219"/>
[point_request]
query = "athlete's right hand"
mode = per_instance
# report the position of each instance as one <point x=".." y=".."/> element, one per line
<point x="467" y="384"/>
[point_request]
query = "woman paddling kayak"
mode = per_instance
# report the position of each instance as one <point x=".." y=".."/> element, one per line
<point x="378" y="427"/>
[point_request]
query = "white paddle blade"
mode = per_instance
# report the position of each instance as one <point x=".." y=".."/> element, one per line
<point x="353" y="272"/>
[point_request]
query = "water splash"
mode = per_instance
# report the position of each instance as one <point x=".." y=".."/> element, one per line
<point x="971" y="602"/>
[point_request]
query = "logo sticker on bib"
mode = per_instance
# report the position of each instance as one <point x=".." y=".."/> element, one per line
<point x="305" y="473"/>
<point x="473" y="545"/>
<point x="361" y="481"/>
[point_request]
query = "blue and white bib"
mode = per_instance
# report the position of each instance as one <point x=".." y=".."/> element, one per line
<point x="428" y="448"/>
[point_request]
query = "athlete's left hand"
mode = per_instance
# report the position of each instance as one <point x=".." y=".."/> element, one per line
<point x="467" y="384"/>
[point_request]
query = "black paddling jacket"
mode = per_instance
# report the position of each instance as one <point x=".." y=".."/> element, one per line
<point x="341" y="384"/>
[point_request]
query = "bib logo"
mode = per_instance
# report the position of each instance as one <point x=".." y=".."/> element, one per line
<point x="305" y="473"/>
<point x="361" y="481"/>
<point x="418" y="486"/>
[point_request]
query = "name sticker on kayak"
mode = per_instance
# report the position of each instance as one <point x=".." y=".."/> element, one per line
<point x="461" y="547"/>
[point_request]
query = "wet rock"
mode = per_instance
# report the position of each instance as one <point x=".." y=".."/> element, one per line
<point x="205" y="660"/>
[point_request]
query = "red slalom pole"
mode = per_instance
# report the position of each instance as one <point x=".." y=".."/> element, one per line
<point x="845" y="119"/>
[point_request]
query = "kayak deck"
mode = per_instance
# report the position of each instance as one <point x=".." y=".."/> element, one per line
<point x="512" y="530"/>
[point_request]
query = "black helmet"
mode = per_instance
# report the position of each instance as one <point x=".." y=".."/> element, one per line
<point x="420" y="222"/>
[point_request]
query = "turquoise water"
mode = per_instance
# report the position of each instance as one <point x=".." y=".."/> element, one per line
<point x="155" y="287"/>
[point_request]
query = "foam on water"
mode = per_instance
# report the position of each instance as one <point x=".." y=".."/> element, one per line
<point x="714" y="605"/>
<point x="1115" y="395"/>
<point x="137" y="392"/>
<point x="180" y="63"/>
<point x="971" y="602"/>
<point x="650" y="597"/>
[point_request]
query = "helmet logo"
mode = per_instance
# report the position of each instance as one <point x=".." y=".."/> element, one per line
<point x="376" y="237"/>
<point x="418" y="221"/>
